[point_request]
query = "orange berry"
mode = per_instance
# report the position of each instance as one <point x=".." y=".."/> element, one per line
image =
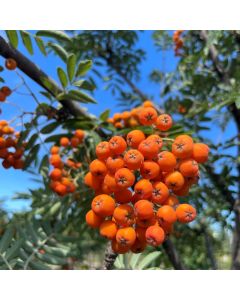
<point x="145" y="223"/>
<point x="143" y="209"/>
<point x="149" y="169"/>
<point x="117" y="145"/>
<point x="185" y="213"/>
<point x="126" y="115"/>
<point x="10" y="64"/>
<point x="160" y="193"/>
<point x="79" y="133"/>
<point x="6" y="90"/>
<point x="55" y="160"/>
<point x="93" y="220"/>
<point x="133" y="159"/>
<point x="143" y="189"/>
<point x="98" y="168"/>
<point x="92" y="181"/>
<point x="124" y="215"/>
<point x="3" y="153"/>
<point x="193" y="179"/>
<point x="114" y="163"/>
<point x="166" y="161"/>
<point x="10" y="142"/>
<point x="200" y="152"/>
<point x="2" y="143"/>
<point x="2" y="96"/>
<point x="148" y="148"/>
<point x="182" y="146"/>
<point x="126" y="236"/>
<point x="61" y="189"/>
<point x="172" y="201"/>
<point x="18" y="164"/>
<point x="184" y="191"/>
<point x="118" y="125"/>
<point x="103" y="205"/>
<point x="117" y="117"/>
<point x="164" y="122"/>
<point x="174" y="181"/>
<point x="6" y="164"/>
<point x="188" y="167"/>
<point x="138" y="246"/>
<point x="140" y="233"/>
<point x="54" y="150"/>
<point x="56" y="174"/>
<point x="118" y="248"/>
<point x="123" y="196"/>
<point x="148" y="116"/>
<point x="124" y="178"/>
<point x="155" y="235"/>
<point x="134" y="138"/>
<point x="166" y="214"/>
<point x="111" y="184"/>
<point x="132" y="122"/>
<point x="75" y="142"/>
<point x="148" y="103"/>
<point x="64" y="142"/>
<point x="108" y="229"/>
<point x="157" y="139"/>
<point x="103" y="150"/>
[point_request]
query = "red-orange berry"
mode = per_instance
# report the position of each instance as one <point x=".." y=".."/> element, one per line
<point x="155" y="235"/>
<point x="164" y="122"/>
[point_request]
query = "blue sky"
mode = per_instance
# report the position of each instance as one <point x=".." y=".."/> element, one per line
<point x="12" y="181"/>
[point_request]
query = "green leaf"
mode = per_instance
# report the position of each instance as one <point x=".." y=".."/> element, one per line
<point x="119" y="262"/>
<point x="49" y="128"/>
<point x="60" y="51"/>
<point x="54" y="208"/>
<point x="44" y="163"/>
<point x="27" y="41"/>
<point x="55" y="138"/>
<point x="31" y="156"/>
<point x="57" y="34"/>
<point x="6" y="239"/>
<point x="13" y="251"/>
<point x="32" y="141"/>
<point x="83" y="67"/>
<point x="237" y="102"/>
<point x="13" y="37"/>
<point x="82" y="97"/>
<point x="105" y="115"/>
<point x="84" y="84"/>
<point x="71" y="65"/>
<point x="149" y="259"/>
<point x="40" y="45"/>
<point x="1" y="79"/>
<point x="134" y="260"/>
<point x="63" y="77"/>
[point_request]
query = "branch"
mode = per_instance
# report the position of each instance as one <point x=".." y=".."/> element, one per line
<point x="209" y="247"/>
<point x="173" y="255"/>
<point x="110" y="258"/>
<point x="37" y="75"/>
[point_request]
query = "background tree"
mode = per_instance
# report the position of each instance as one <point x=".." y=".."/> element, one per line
<point x="203" y="89"/>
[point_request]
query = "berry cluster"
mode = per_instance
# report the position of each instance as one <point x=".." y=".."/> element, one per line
<point x="10" y="151"/>
<point x="61" y="175"/>
<point x="129" y="119"/>
<point x="5" y="91"/>
<point x="136" y="184"/>
<point x="178" y="41"/>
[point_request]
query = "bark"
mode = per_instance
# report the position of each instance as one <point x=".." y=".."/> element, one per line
<point x="109" y="258"/>
<point x="172" y="254"/>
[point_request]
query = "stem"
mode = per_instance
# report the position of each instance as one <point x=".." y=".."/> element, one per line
<point x="109" y="258"/>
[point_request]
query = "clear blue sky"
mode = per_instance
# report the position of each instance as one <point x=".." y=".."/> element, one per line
<point x="12" y="181"/>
